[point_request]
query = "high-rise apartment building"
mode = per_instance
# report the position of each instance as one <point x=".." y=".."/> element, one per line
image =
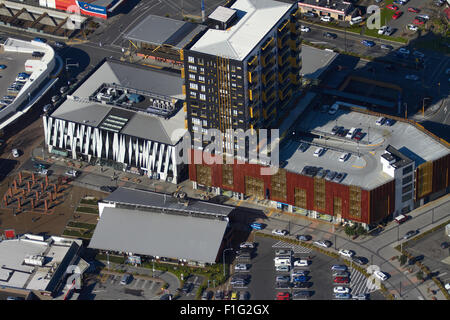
<point x="243" y="71"/>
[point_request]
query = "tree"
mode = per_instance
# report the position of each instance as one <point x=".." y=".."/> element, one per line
<point x="403" y="259"/>
<point x="350" y="231"/>
<point x="419" y="275"/>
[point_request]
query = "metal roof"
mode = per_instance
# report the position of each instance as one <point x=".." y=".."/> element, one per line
<point x="164" y="31"/>
<point x="255" y="19"/>
<point x="315" y="61"/>
<point x="159" y="234"/>
<point x="159" y="200"/>
<point x="222" y="14"/>
<point x="139" y="124"/>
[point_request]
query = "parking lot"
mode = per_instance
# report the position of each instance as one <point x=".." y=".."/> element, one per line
<point x="262" y="275"/>
<point x="434" y="257"/>
<point x="15" y="64"/>
<point x="110" y="288"/>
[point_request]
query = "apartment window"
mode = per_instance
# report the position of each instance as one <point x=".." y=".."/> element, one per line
<point x="195" y="128"/>
<point x="407" y="170"/>
<point x="191" y="76"/>
<point x="406" y="180"/>
<point x="407" y="197"/>
<point x="193" y="95"/>
<point x="191" y="59"/>
<point x="192" y="68"/>
<point x="203" y="88"/>
<point x="201" y="61"/>
<point x="407" y="188"/>
<point x="205" y="123"/>
<point x="196" y="121"/>
<point x="202" y="96"/>
<point x="201" y="78"/>
<point x="193" y="86"/>
<point x="202" y="70"/>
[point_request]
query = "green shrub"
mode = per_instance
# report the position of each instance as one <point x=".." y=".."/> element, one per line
<point x="87" y="210"/>
<point x="403" y="259"/>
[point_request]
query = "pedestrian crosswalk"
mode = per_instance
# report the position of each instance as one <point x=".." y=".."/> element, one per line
<point x="296" y="248"/>
<point x="359" y="284"/>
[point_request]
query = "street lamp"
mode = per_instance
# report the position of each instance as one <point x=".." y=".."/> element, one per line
<point x="224" y="259"/>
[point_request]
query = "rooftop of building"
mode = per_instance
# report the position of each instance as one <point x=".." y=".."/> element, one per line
<point x="154" y="200"/>
<point x="155" y="233"/>
<point x="315" y="61"/>
<point x="15" y="273"/>
<point x="339" y="5"/>
<point x="162" y="31"/>
<point x="255" y="18"/>
<point x="141" y="119"/>
<point x="364" y="168"/>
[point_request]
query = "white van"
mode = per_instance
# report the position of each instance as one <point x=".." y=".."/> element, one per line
<point x="351" y="133"/>
<point x="282" y="261"/>
<point x="356" y="20"/>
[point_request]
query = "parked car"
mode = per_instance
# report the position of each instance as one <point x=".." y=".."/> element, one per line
<point x="43" y="172"/>
<point x="333" y="109"/>
<point x="309" y="14"/>
<point x="234" y="295"/>
<point x="319" y="151"/>
<point x="37" y="54"/>
<point x="301" y="285"/>
<point x="341" y="280"/>
<point x="244" y="295"/>
<point x="300" y="279"/>
<point x="359" y="260"/>
<point x="397" y="15"/>
<point x="240" y="267"/>
<point x="304" y="237"/>
<point x="340" y="289"/>
<point x="412" y="9"/>
<point x="412" y="27"/>
<point x="344" y="157"/>
<point x="125" y="279"/>
<point x="386" y="47"/>
<point x="404" y="51"/>
<point x="304" y="29"/>
<point x="55" y="99"/>
<point x="401" y="218"/>
<point x="207" y="295"/>
<point x="326" y="18"/>
<point x="256" y="226"/>
<point x="63" y="89"/>
<point x="330" y="175"/>
<point x="339" y="177"/>
<point x="108" y="188"/>
<point x="283" y="296"/>
<point x="343" y="296"/>
<point x="339" y="267"/>
<point x="15" y="153"/>
<point x="323" y="243"/>
<point x="59" y="44"/>
<point x="218" y="295"/>
<point x="445" y="245"/>
<point x="282" y="268"/>
<point x="283" y="252"/>
<point x="419" y="21"/>
<point x="361" y="296"/>
<point x="247" y="245"/>
<point x="72" y="173"/>
<point x="341" y="274"/>
<point x="410" y="234"/>
<point x="38" y="39"/>
<point x="2" y="66"/>
<point x="303" y="294"/>
<point x="282" y="279"/>
<point x="358" y="136"/>
<point x="380" y="275"/>
<point x="368" y="43"/>
<point x="346" y="253"/>
<point x="392" y="7"/>
<point x="390" y="122"/>
<point x="330" y="35"/>
<point x="301" y="263"/>
<point x="380" y="121"/>
<point x="280" y="232"/>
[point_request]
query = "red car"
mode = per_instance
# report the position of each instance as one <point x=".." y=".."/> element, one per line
<point x="341" y="280"/>
<point x="415" y="10"/>
<point x="283" y="296"/>
<point x="392" y="7"/>
<point x="397" y="15"/>
<point x="358" y="136"/>
<point x="418" y="21"/>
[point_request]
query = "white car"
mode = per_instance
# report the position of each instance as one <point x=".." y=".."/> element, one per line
<point x="412" y="27"/>
<point x="380" y="275"/>
<point x="282" y="268"/>
<point x="72" y="173"/>
<point x="411" y="77"/>
<point x="305" y="29"/>
<point x="249" y="245"/>
<point x="279" y="232"/>
<point x="43" y="172"/>
<point x="326" y="18"/>
<point x="380" y="121"/>
<point x="15" y="153"/>
<point x="323" y="243"/>
<point x="341" y="290"/>
<point x="334" y="108"/>
<point x="301" y="263"/>
<point x="346" y="253"/>
<point x="240" y="266"/>
<point x="318" y="152"/>
<point x="403" y="51"/>
<point x="344" y="157"/>
<point x="382" y="30"/>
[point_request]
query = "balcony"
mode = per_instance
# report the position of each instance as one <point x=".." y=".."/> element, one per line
<point x="253" y="77"/>
<point x="266" y="78"/>
<point x="268" y="45"/>
<point x="284" y="58"/>
<point x="283" y="76"/>
<point x="268" y="60"/>
<point x="295" y="60"/>
<point x="284" y="28"/>
<point x="283" y="40"/>
<point x="252" y="63"/>
<point x="268" y="95"/>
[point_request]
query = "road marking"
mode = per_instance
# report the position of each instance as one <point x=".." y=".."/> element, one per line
<point x="152" y="285"/>
<point x="143" y="284"/>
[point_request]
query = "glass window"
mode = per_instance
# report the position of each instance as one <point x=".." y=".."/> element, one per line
<point x="407" y="170"/>
<point x="191" y="59"/>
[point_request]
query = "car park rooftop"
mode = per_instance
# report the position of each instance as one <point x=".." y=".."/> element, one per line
<point x="365" y="171"/>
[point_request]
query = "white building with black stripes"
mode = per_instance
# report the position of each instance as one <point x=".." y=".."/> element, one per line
<point x="123" y="115"/>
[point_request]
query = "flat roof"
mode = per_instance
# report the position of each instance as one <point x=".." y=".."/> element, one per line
<point x="159" y="30"/>
<point x="139" y="124"/>
<point x="159" y="234"/>
<point x="222" y="14"/>
<point x="315" y="61"/>
<point x="159" y="200"/>
<point x="365" y="171"/>
<point x="255" y="19"/>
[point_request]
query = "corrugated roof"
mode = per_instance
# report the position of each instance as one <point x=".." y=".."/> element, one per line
<point x="157" y="234"/>
<point x="160" y="200"/>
